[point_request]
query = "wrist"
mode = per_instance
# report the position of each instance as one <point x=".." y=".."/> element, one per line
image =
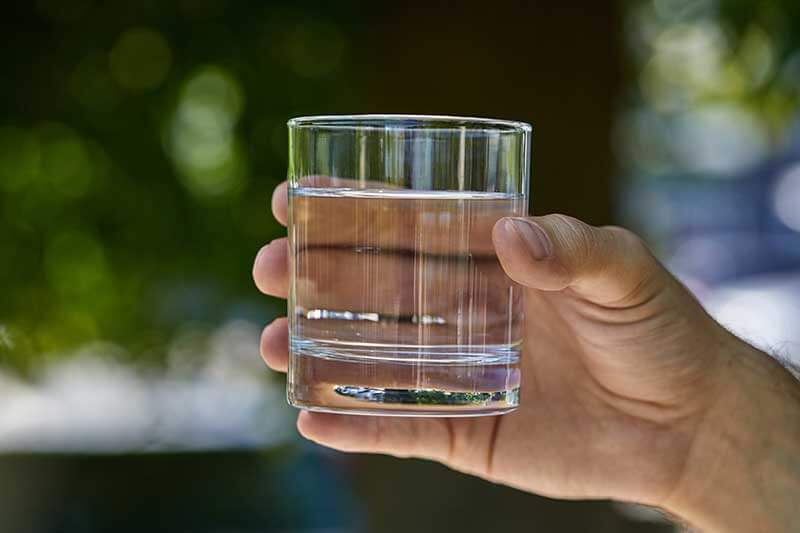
<point x="743" y="470"/>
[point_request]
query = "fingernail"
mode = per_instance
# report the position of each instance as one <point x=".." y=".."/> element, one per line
<point x="533" y="236"/>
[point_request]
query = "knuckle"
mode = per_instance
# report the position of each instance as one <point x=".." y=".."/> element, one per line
<point x="576" y="236"/>
<point x="571" y="226"/>
<point x="567" y="222"/>
<point x="632" y="245"/>
<point x="631" y="240"/>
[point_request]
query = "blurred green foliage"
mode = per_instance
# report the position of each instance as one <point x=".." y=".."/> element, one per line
<point x="139" y="143"/>
<point x="717" y="84"/>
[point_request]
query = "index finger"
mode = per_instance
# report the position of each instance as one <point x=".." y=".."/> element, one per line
<point x="280" y="196"/>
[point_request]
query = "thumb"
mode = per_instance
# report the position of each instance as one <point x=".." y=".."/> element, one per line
<point x="607" y="265"/>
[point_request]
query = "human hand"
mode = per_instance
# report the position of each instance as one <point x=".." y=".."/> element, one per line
<point x="626" y="380"/>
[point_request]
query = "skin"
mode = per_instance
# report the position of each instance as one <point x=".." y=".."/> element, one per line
<point x="631" y="391"/>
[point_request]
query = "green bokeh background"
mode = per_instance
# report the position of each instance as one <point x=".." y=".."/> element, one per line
<point x="139" y="143"/>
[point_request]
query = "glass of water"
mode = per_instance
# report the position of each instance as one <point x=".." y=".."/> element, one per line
<point x="398" y="304"/>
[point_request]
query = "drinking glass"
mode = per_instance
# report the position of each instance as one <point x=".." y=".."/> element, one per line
<point x="398" y="304"/>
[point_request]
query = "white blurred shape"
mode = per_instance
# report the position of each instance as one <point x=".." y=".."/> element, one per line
<point x="92" y="402"/>
<point x="687" y="60"/>
<point x="692" y="52"/>
<point x="703" y="257"/>
<point x="786" y="197"/>
<point x="765" y="311"/>
<point x="200" y="137"/>
<point x="720" y="139"/>
<point x="85" y="395"/>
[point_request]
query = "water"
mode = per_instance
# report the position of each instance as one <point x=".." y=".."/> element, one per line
<point x="400" y="305"/>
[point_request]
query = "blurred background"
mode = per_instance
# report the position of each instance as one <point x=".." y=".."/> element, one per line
<point x="139" y="143"/>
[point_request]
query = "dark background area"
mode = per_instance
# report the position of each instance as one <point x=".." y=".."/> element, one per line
<point x="275" y="491"/>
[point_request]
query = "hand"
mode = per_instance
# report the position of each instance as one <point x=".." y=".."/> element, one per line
<point x="623" y="374"/>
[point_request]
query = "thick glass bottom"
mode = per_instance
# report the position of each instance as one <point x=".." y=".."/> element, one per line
<point x="442" y="381"/>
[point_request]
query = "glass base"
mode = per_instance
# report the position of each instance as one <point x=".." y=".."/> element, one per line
<point x="371" y="406"/>
<point x="431" y="384"/>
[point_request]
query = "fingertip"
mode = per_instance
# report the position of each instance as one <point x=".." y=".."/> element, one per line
<point x="280" y="203"/>
<point x="258" y="260"/>
<point x="503" y="235"/>
<point x="275" y="345"/>
<point x="311" y="425"/>
<point x="271" y="269"/>
<point x="530" y="236"/>
<point x="304" y="424"/>
<point x="510" y="249"/>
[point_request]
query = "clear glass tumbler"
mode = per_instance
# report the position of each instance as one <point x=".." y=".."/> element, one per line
<point x="398" y="304"/>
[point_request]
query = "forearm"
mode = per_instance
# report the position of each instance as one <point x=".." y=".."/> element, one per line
<point x="743" y="473"/>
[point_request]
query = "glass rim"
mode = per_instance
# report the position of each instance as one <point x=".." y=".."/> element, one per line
<point x="410" y="122"/>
